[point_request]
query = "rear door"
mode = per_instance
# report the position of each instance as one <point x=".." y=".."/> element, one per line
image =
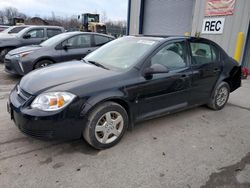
<point x="206" y="67"/>
<point x="80" y="46"/>
<point x="52" y="32"/>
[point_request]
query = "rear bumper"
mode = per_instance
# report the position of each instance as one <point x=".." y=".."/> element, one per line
<point x="236" y="76"/>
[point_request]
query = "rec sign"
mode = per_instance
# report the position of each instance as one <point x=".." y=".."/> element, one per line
<point x="213" y="25"/>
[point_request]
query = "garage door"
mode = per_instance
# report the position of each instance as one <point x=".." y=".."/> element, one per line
<point x="167" y="17"/>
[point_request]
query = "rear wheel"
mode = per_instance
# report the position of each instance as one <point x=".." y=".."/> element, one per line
<point x="106" y="125"/>
<point x="43" y="63"/>
<point x="220" y="96"/>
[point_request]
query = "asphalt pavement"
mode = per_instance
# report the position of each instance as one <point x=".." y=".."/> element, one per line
<point x="194" y="148"/>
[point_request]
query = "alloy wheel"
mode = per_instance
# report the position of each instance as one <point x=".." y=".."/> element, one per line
<point x="109" y="127"/>
<point x="222" y="96"/>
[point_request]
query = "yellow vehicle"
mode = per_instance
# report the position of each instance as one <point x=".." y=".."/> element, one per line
<point x="17" y="21"/>
<point x="91" y="23"/>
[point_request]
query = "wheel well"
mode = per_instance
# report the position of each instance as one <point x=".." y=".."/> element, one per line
<point x="124" y="104"/>
<point x="234" y="79"/>
<point x="42" y="59"/>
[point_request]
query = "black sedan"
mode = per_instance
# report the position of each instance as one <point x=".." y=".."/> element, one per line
<point x="128" y="80"/>
<point x="62" y="47"/>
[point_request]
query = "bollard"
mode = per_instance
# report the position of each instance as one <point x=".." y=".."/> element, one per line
<point x="238" y="47"/>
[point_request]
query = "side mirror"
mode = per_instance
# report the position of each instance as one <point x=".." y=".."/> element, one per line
<point x="155" y="69"/>
<point x="26" y="36"/>
<point x="67" y="46"/>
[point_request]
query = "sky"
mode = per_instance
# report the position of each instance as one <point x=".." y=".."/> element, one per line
<point x="115" y="9"/>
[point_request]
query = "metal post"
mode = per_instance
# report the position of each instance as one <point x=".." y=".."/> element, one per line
<point x="238" y="47"/>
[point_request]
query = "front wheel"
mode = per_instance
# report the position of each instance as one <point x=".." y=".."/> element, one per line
<point x="220" y="96"/>
<point x="4" y="53"/>
<point x="42" y="63"/>
<point x="106" y="125"/>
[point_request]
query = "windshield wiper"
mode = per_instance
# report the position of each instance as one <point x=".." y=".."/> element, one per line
<point x="96" y="64"/>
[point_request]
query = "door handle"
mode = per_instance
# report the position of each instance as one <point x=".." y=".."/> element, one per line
<point x="184" y="76"/>
<point x="216" y="70"/>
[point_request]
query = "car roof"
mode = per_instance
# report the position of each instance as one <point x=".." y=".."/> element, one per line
<point x="38" y="26"/>
<point x="44" y="26"/>
<point x="87" y="33"/>
<point x="163" y="38"/>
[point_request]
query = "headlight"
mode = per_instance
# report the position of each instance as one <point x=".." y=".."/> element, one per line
<point x="22" y="55"/>
<point x="52" y="101"/>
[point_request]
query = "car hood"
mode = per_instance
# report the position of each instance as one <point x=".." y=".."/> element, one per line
<point x="75" y="72"/>
<point x="25" y="49"/>
<point x="6" y="36"/>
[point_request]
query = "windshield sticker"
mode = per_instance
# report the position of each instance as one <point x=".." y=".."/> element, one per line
<point x="148" y="42"/>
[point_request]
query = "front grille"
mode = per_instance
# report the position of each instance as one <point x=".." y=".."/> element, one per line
<point x="38" y="133"/>
<point x="6" y="61"/>
<point x="22" y="96"/>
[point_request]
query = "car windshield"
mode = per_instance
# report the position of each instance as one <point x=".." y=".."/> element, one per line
<point x="122" y="53"/>
<point x="55" y="40"/>
<point x="14" y="29"/>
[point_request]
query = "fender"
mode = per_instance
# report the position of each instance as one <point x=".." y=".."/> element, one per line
<point x="232" y="77"/>
<point x="115" y="96"/>
<point x="44" y="58"/>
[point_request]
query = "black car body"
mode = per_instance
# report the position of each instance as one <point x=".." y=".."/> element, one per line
<point x="134" y="91"/>
<point x="62" y="47"/>
<point x="27" y="36"/>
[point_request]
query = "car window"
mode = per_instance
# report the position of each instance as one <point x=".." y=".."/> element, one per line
<point x="53" y="32"/>
<point x="172" y="56"/>
<point x="14" y="29"/>
<point x="36" y="33"/>
<point x="203" y="53"/>
<point x="100" y="40"/>
<point x="79" y="41"/>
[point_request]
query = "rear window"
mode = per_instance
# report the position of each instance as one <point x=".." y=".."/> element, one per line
<point x="16" y="29"/>
<point x="53" y="32"/>
<point x="100" y="40"/>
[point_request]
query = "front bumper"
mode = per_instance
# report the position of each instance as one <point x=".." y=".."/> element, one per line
<point x="65" y="124"/>
<point x="14" y="65"/>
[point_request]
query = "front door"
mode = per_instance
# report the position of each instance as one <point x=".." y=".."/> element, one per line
<point x="36" y="36"/>
<point x="78" y="47"/>
<point x="166" y="92"/>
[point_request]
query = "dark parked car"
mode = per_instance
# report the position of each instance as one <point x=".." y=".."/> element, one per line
<point x="62" y="47"/>
<point x="128" y="80"/>
<point x="27" y="36"/>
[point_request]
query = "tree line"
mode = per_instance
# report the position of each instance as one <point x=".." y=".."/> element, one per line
<point x="70" y="23"/>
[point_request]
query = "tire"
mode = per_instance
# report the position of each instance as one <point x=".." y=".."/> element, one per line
<point x="102" y="133"/>
<point x="220" y="96"/>
<point x="42" y="63"/>
<point x="4" y="53"/>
